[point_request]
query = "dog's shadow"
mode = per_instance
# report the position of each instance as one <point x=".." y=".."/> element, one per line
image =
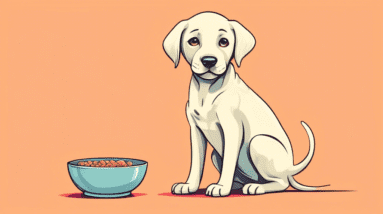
<point x="201" y="193"/>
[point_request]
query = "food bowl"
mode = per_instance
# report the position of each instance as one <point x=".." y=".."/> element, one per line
<point x="107" y="182"/>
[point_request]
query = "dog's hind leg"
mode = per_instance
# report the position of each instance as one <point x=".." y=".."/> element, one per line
<point x="272" y="162"/>
<point x="217" y="162"/>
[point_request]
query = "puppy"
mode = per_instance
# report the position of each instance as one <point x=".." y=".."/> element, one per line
<point x="251" y="149"/>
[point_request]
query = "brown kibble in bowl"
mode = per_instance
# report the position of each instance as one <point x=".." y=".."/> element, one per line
<point x="105" y="163"/>
<point x="121" y="163"/>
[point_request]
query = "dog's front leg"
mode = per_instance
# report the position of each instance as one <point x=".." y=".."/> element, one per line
<point x="198" y="153"/>
<point x="232" y="130"/>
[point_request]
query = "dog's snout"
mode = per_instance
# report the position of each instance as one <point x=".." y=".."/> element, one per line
<point x="209" y="61"/>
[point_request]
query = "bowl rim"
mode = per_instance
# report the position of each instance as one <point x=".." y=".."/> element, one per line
<point x="71" y="164"/>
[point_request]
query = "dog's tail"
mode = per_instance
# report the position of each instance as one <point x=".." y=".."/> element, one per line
<point x="302" y="187"/>
<point x="302" y="165"/>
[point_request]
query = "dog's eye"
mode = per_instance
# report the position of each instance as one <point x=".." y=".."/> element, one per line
<point x="223" y="42"/>
<point x="193" y="41"/>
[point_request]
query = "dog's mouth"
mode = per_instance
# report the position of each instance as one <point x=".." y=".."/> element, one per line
<point x="208" y="75"/>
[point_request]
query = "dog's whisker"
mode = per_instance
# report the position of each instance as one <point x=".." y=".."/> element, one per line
<point x="219" y="67"/>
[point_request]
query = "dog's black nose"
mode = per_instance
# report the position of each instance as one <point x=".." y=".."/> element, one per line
<point x="209" y="61"/>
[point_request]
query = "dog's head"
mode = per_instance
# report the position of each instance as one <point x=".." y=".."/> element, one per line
<point x="208" y="41"/>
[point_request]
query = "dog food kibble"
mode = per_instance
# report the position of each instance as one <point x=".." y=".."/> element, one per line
<point x="105" y="163"/>
<point x="122" y="163"/>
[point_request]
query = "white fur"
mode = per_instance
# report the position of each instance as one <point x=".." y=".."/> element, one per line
<point x="251" y="149"/>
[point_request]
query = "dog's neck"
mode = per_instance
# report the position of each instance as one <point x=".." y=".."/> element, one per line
<point x="205" y="86"/>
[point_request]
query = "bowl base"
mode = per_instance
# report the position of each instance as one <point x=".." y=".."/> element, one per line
<point x="107" y="195"/>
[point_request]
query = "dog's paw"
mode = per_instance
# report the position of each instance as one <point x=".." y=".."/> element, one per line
<point x="183" y="188"/>
<point x="253" y="189"/>
<point x="217" y="190"/>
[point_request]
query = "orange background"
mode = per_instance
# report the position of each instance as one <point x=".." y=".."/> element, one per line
<point x="90" y="79"/>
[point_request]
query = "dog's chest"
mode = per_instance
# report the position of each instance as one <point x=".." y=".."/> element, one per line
<point x="205" y="117"/>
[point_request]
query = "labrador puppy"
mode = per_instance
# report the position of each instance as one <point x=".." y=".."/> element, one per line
<point x="251" y="149"/>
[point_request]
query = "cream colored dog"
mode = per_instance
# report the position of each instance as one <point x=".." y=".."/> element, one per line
<point x="251" y="149"/>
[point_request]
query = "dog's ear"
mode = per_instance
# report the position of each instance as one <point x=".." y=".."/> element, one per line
<point x="244" y="41"/>
<point x="172" y="42"/>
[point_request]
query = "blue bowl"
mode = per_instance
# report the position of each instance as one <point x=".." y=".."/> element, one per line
<point x="107" y="182"/>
